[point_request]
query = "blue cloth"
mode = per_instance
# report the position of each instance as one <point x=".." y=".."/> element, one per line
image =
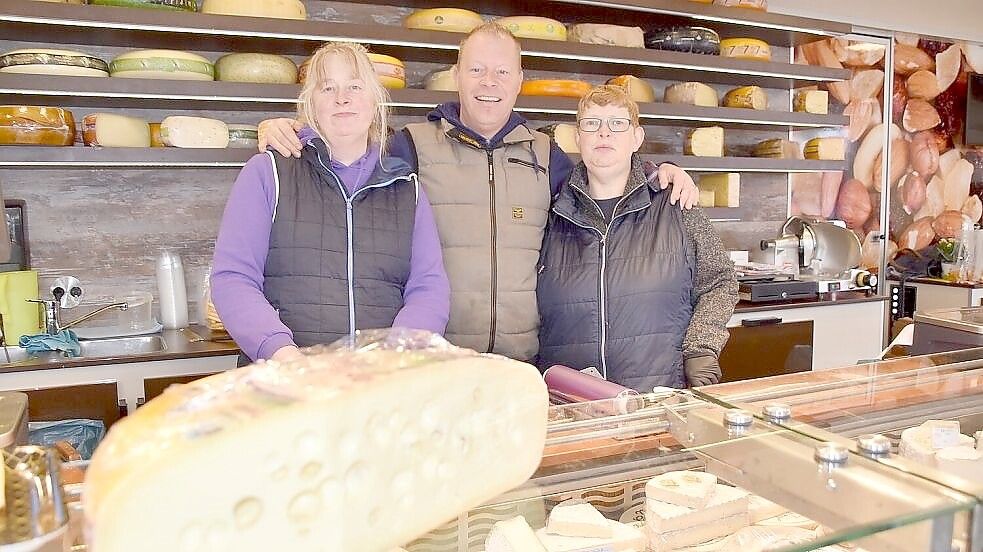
<point x="65" y="340"/>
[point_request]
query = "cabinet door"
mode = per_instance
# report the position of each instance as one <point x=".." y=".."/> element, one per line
<point x="94" y="401"/>
<point x="767" y="350"/>
<point x="153" y="387"/>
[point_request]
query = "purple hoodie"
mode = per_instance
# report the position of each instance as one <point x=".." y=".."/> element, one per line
<point x="243" y="243"/>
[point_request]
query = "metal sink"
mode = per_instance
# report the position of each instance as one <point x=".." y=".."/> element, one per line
<point x="91" y="348"/>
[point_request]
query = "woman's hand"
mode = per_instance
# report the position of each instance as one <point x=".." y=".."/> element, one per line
<point x="684" y="189"/>
<point x="281" y="135"/>
<point x="286" y="354"/>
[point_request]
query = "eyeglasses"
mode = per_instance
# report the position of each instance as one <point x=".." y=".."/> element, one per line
<point x="593" y="124"/>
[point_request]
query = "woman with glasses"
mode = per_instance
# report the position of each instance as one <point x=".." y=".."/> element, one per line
<point x="628" y="285"/>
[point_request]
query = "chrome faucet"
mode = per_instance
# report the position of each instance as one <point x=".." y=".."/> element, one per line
<point x="52" y="314"/>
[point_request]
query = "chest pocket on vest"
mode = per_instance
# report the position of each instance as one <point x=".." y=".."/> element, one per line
<point x="527" y="186"/>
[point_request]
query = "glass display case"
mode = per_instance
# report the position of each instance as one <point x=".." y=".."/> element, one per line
<point x="807" y="490"/>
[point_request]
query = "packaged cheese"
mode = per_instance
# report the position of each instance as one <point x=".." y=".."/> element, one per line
<point x="705" y="142"/>
<point x="364" y="445"/>
<point x="453" y="20"/>
<point x="691" y="93"/>
<point x="172" y="5"/>
<point x="280" y="9"/>
<point x="610" y="35"/>
<point x="637" y="89"/>
<point x="194" y="132"/>
<point x="36" y="126"/>
<point x="162" y="64"/>
<point x="243" y="136"/>
<point x="562" y="88"/>
<point x="259" y="68"/>
<point x="746" y="97"/>
<point x="115" y="131"/>
<point x="46" y="61"/>
<point x="543" y="28"/>
<point x="441" y="80"/>
<point x="745" y="48"/>
<point x="693" y="40"/>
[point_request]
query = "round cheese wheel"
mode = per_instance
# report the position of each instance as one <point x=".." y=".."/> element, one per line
<point x="43" y="61"/>
<point x="745" y="48"/>
<point x="693" y="40"/>
<point x="564" y="135"/>
<point x="259" y="68"/>
<point x="173" y="5"/>
<point x="243" y="136"/>
<point x="562" y="88"/>
<point x="441" y="80"/>
<point x="162" y="64"/>
<point x="543" y="28"/>
<point x="281" y="9"/>
<point x="637" y="89"/>
<point x="194" y="132"/>
<point x="454" y="20"/>
<point x="391" y="72"/>
<point x="36" y="126"/>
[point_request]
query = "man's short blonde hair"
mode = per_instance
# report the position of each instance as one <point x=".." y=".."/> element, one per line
<point x="494" y="29"/>
<point x="607" y="94"/>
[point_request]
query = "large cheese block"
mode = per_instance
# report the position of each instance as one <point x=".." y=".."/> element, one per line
<point x="671" y="540"/>
<point x="962" y="461"/>
<point x="637" y="89"/>
<point x="561" y="88"/>
<point x="281" y="9"/>
<point x="705" y="142"/>
<point x="812" y="101"/>
<point x="162" y="64"/>
<point x="258" y="68"/>
<point x="46" y="61"/>
<point x="543" y="28"/>
<point x="778" y="148"/>
<point x="691" y="489"/>
<point x="610" y="35"/>
<point x="194" y="132"/>
<point x="565" y="136"/>
<point x="726" y="501"/>
<point x="391" y="71"/>
<point x="578" y="520"/>
<point x="343" y="450"/>
<point x="36" y="126"/>
<point x="243" y="136"/>
<point x="746" y="97"/>
<point x="454" y="20"/>
<point x="691" y="93"/>
<point x="725" y="187"/>
<point x="513" y="535"/>
<point x="173" y="5"/>
<point x="829" y="149"/>
<point x="441" y="80"/>
<point x="745" y="48"/>
<point x="115" y="131"/>
<point x="694" y="40"/>
<point x="624" y="538"/>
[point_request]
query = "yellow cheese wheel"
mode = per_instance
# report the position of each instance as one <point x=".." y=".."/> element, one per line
<point x="563" y="88"/>
<point x="281" y="9"/>
<point x="391" y="71"/>
<point x="525" y="26"/>
<point x="637" y="89"/>
<point x="162" y="64"/>
<point x="36" y="126"/>
<point x="441" y="80"/>
<point x="745" y="48"/>
<point x="453" y="20"/>
<point x="746" y="97"/>
<point x="258" y="68"/>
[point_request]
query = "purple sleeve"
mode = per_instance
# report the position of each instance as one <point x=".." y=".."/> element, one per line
<point x="560" y="168"/>
<point x="427" y="297"/>
<point x="240" y="260"/>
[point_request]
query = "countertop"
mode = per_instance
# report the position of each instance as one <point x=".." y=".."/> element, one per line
<point x="177" y="345"/>
<point x="836" y="298"/>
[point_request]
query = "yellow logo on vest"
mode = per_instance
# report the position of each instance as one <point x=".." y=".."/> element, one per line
<point x="517" y="213"/>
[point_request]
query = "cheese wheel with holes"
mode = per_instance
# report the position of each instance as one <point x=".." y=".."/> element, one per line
<point x="258" y="68"/>
<point x="194" y="132"/>
<point x="29" y="125"/>
<point x="827" y="149"/>
<point x="115" y="131"/>
<point x="155" y="141"/>
<point x="561" y="88"/>
<point x="452" y="20"/>
<point x="243" y="136"/>
<point x="278" y="9"/>
<point x="745" y="48"/>
<point x="610" y="35"/>
<point x="691" y="93"/>
<point x="162" y="64"/>
<point x="637" y="89"/>
<point x="320" y="443"/>
<point x="391" y="71"/>
<point x="441" y="80"/>
<point x="705" y="142"/>
<point x="746" y="97"/>
<point x="171" y="5"/>
<point x="46" y="61"/>
<point x="812" y="101"/>
<point x="543" y="28"/>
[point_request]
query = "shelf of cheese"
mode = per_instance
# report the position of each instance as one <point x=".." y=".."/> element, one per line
<point x="191" y="95"/>
<point x="743" y="164"/>
<point x="133" y="28"/>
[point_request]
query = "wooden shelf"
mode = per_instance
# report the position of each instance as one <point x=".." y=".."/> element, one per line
<point x="135" y="28"/>
<point x="121" y="93"/>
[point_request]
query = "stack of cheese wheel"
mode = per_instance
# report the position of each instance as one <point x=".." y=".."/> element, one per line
<point x="391" y="71"/>
<point x="543" y="28"/>
<point x="243" y="136"/>
<point x="258" y="68"/>
<point x="561" y="88"/>
<point x="115" y="131"/>
<point x="280" y="9"/>
<point x="162" y="64"/>
<point x="44" y="61"/>
<point x="194" y="132"/>
<point x="36" y="126"/>
<point x="454" y="20"/>
<point x="174" y="5"/>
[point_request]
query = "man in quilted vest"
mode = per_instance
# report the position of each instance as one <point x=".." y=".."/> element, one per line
<point x="491" y="180"/>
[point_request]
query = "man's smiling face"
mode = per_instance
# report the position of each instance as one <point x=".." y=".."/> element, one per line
<point x="489" y="76"/>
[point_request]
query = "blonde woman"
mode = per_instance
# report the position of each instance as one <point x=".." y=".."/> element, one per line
<point x="312" y="248"/>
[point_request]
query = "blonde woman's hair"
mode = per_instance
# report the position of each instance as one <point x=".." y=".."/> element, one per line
<point x="494" y="29"/>
<point x="358" y="59"/>
<point x="608" y="94"/>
